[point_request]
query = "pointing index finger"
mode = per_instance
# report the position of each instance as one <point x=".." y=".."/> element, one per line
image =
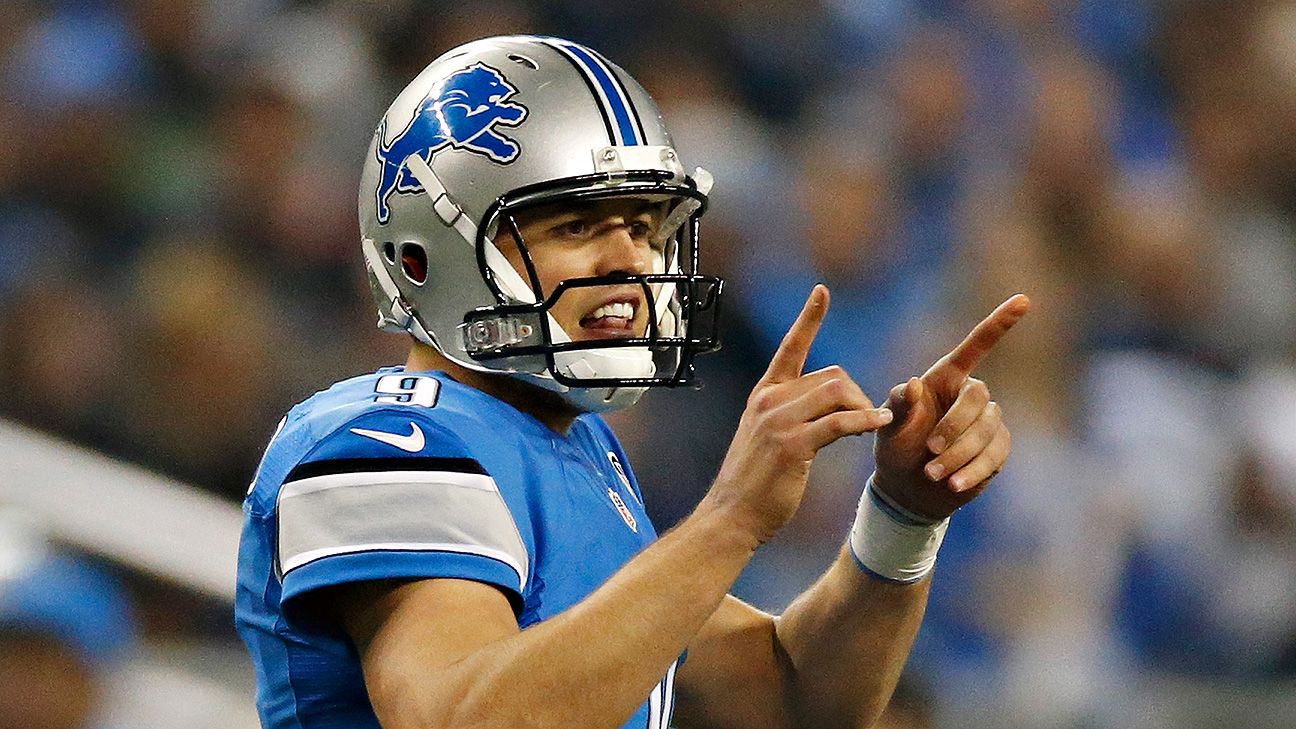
<point x="964" y="358"/>
<point x="790" y="358"/>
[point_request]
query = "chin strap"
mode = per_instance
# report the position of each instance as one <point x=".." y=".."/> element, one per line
<point x="453" y="216"/>
<point x="446" y="209"/>
<point x="703" y="181"/>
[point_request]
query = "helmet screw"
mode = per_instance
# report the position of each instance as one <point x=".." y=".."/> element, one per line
<point x="609" y="155"/>
<point x="525" y="330"/>
<point x="669" y="154"/>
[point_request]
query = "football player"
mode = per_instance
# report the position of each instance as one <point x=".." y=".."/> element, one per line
<point x="461" y="542"/>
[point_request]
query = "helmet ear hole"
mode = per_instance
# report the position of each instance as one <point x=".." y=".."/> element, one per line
<point x="389" y="252"/>
<point x="414" y="262"/>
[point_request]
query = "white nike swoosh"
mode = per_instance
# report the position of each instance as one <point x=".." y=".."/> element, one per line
<point x="412" y="443"/>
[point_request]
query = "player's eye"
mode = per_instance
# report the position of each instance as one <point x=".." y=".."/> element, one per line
<point x="640" y="229"/>
<point x="573" y="228"/>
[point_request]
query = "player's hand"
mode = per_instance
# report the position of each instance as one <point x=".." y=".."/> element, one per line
<point x="789" y="417"/>
<point x="948" y="438"/>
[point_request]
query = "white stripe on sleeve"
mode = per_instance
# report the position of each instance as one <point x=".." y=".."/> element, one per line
<point x="444" y="511"/>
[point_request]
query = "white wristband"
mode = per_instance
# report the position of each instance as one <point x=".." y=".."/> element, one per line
<point x="892" y="543"/>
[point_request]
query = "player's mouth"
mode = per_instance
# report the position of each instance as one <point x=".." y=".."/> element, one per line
<point x="612" y="319"/>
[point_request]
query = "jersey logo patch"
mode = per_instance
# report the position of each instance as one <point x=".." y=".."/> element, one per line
<point x="621" y="508"/>
<point x="460" y="112"/>
<point x="412" y="443"/>
<point x="620" y="470"/>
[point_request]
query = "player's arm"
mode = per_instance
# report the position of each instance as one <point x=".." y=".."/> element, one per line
<point x="833" y="658"/>
<point x="448" y="653"/>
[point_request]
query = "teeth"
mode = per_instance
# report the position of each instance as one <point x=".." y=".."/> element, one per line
<point x="620" y="310"/>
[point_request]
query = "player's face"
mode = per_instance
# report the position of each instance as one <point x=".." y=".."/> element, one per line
<point x="593" y="238"/>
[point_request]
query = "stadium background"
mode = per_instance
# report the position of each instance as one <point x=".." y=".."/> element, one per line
<point x="178" y="265"/>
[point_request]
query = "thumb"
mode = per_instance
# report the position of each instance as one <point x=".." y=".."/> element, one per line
<point x="912" y="411"/>
<point x="903" y="398"/>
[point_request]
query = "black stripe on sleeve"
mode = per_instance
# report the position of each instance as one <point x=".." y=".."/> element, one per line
<point x="379" y="465"/>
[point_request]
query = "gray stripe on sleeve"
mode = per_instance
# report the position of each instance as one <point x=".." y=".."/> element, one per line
<point x="445" y="511"/>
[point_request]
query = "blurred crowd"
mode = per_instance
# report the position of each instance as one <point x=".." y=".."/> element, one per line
<point x="179" y="265"/>
<point x="67" y="630"/>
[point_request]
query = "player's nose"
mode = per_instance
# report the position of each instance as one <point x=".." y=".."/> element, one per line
<point x="619" y="250"/>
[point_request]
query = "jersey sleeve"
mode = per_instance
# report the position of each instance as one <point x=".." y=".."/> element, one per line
<point x="390" y="496"/>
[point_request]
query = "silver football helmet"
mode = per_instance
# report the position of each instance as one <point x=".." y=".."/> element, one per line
<point x="501" y="125"/>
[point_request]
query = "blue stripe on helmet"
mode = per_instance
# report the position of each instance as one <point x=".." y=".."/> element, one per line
<point x="619" y="105"/>
<point x="625" y="94"/>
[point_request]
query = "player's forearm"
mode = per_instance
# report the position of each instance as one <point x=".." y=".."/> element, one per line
<point x="594" y="664"/>
<point x="847" y="638"/>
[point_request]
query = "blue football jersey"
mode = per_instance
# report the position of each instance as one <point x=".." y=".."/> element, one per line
<point x="398" y="475"/>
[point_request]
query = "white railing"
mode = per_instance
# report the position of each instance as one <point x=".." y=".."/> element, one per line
<point x="130" y="515"/>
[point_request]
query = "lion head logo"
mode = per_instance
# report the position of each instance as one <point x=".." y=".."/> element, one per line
<point x="460" y="112"/>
